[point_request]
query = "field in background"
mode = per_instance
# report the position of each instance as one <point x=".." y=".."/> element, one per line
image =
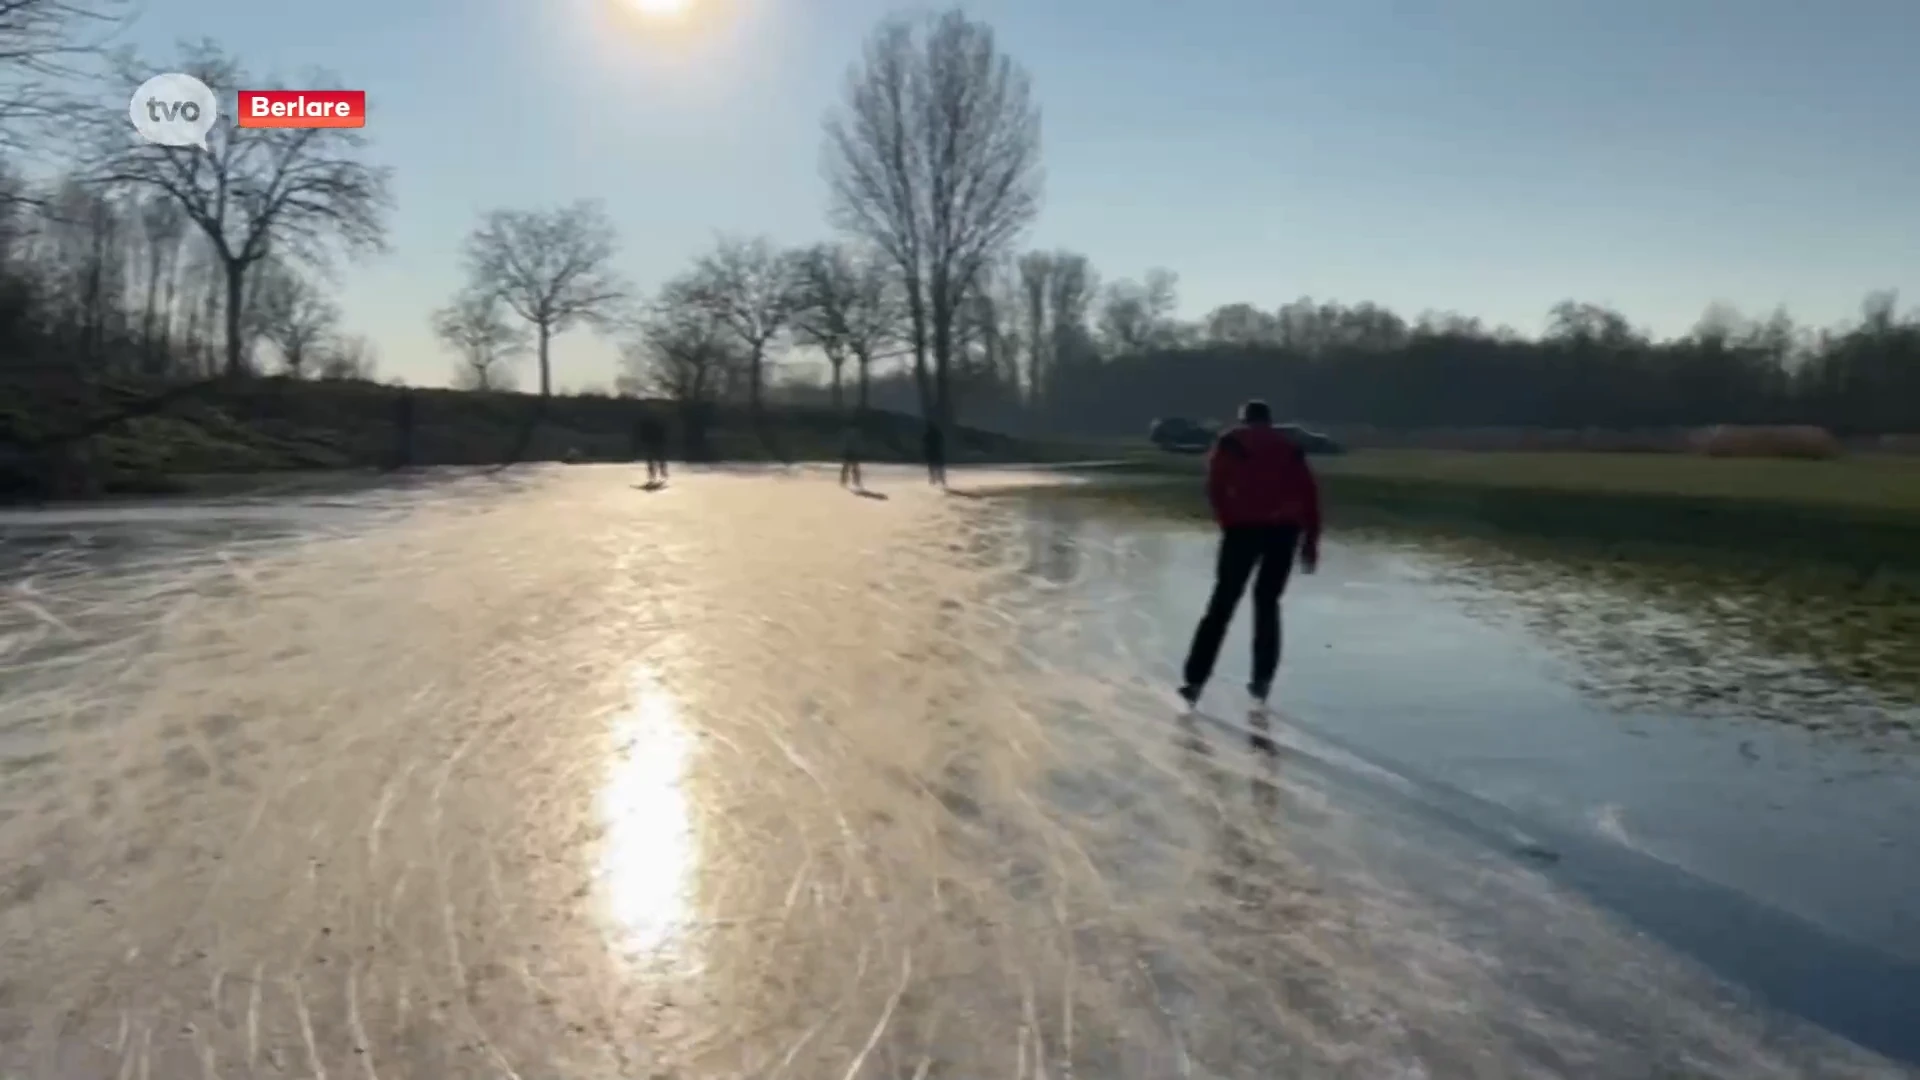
<point x="1669" y="440"/>
<point x="73" y="439"/>
<point x="1867" y="481"/>
<point x="1859" y="516"/>
<point x="1870" y="482"/>
<point x="1819" y="560"/>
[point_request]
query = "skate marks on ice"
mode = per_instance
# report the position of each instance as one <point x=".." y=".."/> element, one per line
<point x="564" y="782"/>
<point x="324" y="818"/>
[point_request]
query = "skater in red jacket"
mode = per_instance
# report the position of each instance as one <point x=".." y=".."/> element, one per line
<point x="1268" y="506"/>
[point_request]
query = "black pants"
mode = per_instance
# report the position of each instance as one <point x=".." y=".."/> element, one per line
<point x="1243" y="548"/>
<point x="656" y="465"/>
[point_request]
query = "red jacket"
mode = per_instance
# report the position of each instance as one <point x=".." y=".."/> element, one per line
<point x="1258" y="476"/>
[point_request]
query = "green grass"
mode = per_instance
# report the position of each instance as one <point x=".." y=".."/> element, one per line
<point x="1820" y="559"/>
<point x="1582" y="564"/>
<point x="1875" y="482"/>
<point x="1856" y="516"/>
<point x="1871" y="483"/>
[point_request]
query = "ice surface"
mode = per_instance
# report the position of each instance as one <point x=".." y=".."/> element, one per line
<point x="743" y="778"/>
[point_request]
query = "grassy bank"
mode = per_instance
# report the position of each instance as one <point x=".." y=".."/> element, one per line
<point x="1858" y="516"/>
<point x="61" y="437"/>
<point x="1759" y="560"/>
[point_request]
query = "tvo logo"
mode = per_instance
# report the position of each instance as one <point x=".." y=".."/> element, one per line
<point x="174" y="110"/>
<point x="159" y="111"/>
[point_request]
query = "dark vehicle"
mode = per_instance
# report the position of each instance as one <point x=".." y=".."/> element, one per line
<point x="1177" y="434"/>
<point x="1310" y="442"/>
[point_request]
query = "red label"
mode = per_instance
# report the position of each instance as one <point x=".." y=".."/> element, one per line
<point x="303" y="108"/>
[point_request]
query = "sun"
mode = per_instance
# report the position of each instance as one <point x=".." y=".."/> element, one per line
<point x="661" y="9"/>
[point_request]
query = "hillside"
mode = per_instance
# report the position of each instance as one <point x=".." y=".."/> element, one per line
<point x="61" y="437"/>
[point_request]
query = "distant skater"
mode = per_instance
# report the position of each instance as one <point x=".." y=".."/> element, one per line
<point x="651" y="434"/>
<point x="403" y="426"/>
<point x="850" y="458"/>
<point x="1267" y="504"/>
<point x="934" y="443"/>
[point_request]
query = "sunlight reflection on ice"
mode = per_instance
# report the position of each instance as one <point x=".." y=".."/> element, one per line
<point x="648" y="851"/>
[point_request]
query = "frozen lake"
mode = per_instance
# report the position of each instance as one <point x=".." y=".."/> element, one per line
<point x="547" y="776"/>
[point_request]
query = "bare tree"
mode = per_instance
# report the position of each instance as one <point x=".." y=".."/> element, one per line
<point x="475" y="327"/>
<point x="162" y="228"/>
<point x="44" y="45"/>
<point x="500" y="378"/>
<point x="350" y="358"/>
<point x="85" y="232"/>
<point x="295" y="193"/>
<point x="821" y="317"/>
<point x="292" y="314"/>
<point x="551" y="268"/>
<point x="205" y="285"/>
<point x="683" y="348"/>
<point x="1072" y="285"/>
<point x="1240" y="324"/>
<point x="850" y="309"/>
<point x="875" y="327"/>
<point x="753" y="289"/>
<point x="16" y="224"/>
<point x="934" y="158"/>
<point x="1036" y="285"/>
<point x="990" y="320"/>
<point x="1135" y="316"/>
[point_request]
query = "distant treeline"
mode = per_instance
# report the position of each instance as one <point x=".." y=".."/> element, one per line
<point x="112" y="282"/>
<point x="1340" y="365"/>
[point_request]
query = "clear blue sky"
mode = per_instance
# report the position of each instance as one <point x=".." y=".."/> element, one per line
<point x="1487" y="156"/>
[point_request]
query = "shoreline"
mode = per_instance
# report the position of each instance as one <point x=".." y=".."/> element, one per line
<point x="1859" y="515"/>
